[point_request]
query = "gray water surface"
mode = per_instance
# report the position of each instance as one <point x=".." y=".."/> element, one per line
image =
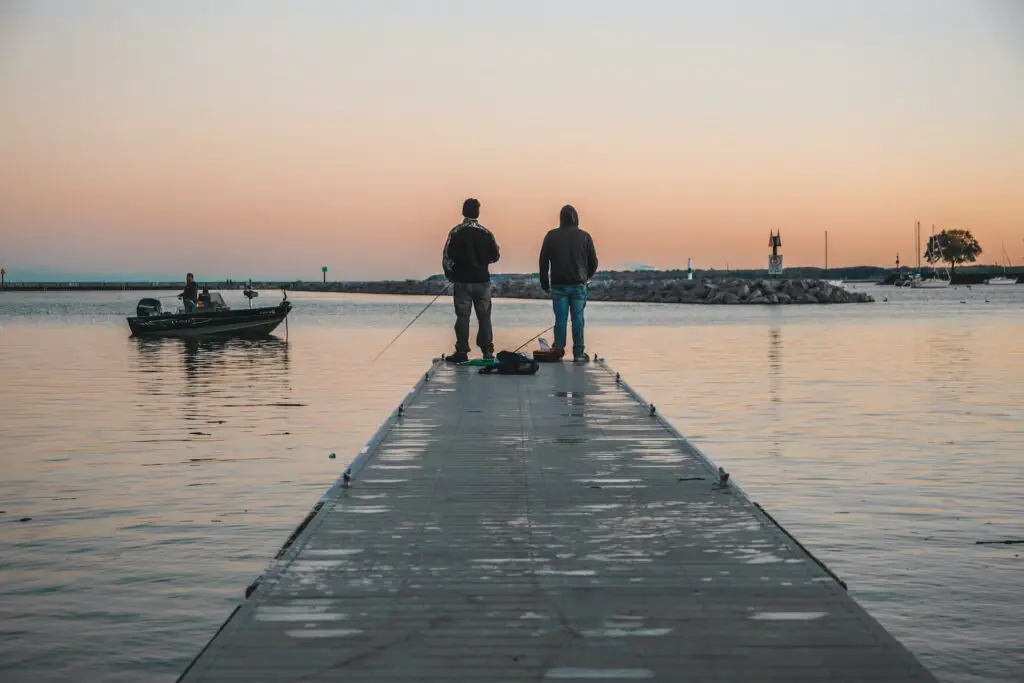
<point x="160" y="477"/>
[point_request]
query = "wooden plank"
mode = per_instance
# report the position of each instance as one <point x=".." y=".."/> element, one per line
<point x="543" y="528"/>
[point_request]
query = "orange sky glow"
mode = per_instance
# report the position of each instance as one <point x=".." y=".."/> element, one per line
<point x="267" y="139"/>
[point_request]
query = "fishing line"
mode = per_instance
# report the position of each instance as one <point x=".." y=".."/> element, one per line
<point x="532" y="338"/>
<point x="411" y="322"/>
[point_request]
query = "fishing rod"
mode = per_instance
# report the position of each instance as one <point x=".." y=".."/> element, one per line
<point x="532" y="338"/>
<point x="410" y="323"/>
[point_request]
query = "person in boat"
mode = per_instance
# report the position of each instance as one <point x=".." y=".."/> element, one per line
<point x="190" y="294"/>
<point x="468" y="253"/>
<point x="568" y="260"/>
<point x="205" y="300"/>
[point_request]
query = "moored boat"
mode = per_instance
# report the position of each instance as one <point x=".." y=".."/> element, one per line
<point x="930" y="283"/>
<point x="915" y="281"/>
<point x="213" y="318"/>
<point x="1001" y="280"/>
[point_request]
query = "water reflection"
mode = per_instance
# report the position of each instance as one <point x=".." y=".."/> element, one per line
<point x="774" y="362"/>
<point x="575" y="389"/>
<point x="900" y="422"/>
<point x="215" y="380"/>
<point x="775" y="387"/>
<point x="951" y="358"/>
<point x="208" y="361"/>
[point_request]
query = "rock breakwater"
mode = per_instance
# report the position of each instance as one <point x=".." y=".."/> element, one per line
<point x="712" y="292"/>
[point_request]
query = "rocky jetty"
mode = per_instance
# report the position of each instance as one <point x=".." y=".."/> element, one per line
<point x="720" y="291"/>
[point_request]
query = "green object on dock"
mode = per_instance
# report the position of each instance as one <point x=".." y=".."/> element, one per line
<point x="480" y="363"/>
<point x="546" y="527"/>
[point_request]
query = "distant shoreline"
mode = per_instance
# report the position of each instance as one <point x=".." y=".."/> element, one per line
<point x="975" y="274"/>
<point x="662" y="290"/>
<point x="964" y="275"/>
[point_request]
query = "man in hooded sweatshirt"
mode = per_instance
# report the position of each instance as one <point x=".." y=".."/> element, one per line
<point x="468" y="253"/>
<point x="568" y="261"/>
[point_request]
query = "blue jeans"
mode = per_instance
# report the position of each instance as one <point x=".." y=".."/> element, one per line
<point x="569" y="300"/>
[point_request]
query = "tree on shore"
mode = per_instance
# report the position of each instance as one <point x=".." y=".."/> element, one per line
<point x="953" y="247"/>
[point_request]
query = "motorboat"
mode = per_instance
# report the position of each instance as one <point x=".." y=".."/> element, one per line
<point x="212" y="317"/>
<point x="1001" y="280"/>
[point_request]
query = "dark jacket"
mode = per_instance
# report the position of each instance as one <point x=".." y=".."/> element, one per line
<point x="191" y="292"/>
<point x="470" y="249"/>
<point x="568" y="253"/>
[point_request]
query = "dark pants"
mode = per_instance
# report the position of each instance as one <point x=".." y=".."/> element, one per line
<point x="469" y="296"/>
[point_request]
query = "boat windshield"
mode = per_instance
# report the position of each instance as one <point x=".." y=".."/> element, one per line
<point x="211" y="300"/>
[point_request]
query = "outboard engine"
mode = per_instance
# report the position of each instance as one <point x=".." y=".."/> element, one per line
<point x="147" y="307"/>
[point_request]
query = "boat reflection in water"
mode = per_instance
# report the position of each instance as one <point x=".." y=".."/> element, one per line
<point x="243" y="361"/>
<point x="239" y="361"/>
<point x="211" y="381"/>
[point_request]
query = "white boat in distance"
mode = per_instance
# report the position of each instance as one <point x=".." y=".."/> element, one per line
<point x="931" y="283"/>
<point x="1001" y="280"/>
<point x="915" y="281"/>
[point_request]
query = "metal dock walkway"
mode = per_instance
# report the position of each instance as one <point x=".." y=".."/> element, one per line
<point x="543" y="528"/>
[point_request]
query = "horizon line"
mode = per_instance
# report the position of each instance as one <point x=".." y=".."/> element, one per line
<point x="126" y="280"/>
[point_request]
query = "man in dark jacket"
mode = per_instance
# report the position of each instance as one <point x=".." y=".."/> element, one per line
<point x="190" y="294"/>
<point x="470" y="249"/>
<point x="568" y="253"/>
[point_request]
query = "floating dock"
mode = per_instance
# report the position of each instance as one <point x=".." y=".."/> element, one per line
<point x="543" y="528"/>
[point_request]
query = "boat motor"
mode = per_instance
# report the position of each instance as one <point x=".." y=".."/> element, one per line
<point x="147" y="307"/>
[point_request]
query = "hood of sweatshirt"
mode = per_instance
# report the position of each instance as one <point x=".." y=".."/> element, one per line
<point x="568" y="218"/>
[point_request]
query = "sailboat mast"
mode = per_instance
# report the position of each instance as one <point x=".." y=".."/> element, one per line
<point x="826" y="252"/>
<point x="917" y="236"/>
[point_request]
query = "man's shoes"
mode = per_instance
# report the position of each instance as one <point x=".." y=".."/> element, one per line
<point x="458" y="357"/>
<point x="581" y="358"/>
<point x="488" y="355"/>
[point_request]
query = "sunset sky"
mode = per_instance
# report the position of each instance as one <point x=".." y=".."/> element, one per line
<point x="265" y="139"/>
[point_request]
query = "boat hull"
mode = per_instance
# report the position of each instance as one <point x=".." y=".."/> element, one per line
<point x="248" y="322"/>
<point x="1001" y="281"/>
<point x="930" y="284"/>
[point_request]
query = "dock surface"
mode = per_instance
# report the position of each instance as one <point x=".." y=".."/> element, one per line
<point x="543" y="528"/>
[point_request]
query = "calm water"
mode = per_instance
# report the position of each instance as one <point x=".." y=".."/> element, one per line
<point x="161" y="477"/>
